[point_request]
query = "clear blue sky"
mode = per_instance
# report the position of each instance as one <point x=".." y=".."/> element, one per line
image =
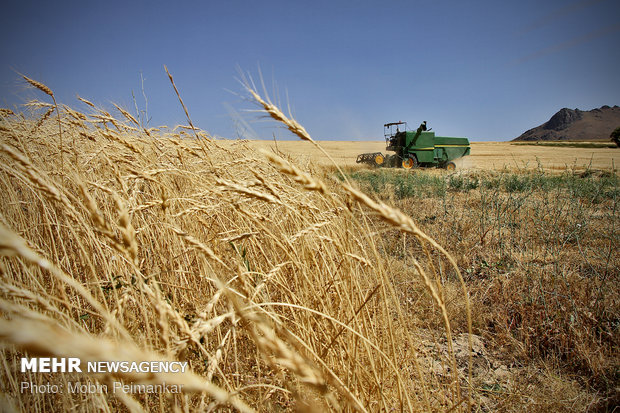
<point x="488" y="70"/>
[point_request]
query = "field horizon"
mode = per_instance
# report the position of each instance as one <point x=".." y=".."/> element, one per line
<point x="484" y="155"/>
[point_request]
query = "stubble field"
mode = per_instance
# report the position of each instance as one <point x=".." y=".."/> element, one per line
<point x="484" y="155"/>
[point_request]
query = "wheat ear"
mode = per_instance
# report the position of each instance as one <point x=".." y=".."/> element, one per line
<point x="181" y="100"/>
<point x="49" y="92"/>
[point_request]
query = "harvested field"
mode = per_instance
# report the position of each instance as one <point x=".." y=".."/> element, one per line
<point x="484" y="155"/>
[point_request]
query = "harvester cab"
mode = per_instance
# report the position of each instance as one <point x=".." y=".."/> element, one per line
<point x="392" y="131"/>
<point x="416" y="148"/>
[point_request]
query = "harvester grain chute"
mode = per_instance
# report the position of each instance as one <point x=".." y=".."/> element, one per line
<point x="416" y="148"/>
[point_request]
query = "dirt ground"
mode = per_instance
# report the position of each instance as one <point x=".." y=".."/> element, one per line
<point x="484" y="155"/>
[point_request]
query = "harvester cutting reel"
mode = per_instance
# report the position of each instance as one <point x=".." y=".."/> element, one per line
<point x="375" y="158"/>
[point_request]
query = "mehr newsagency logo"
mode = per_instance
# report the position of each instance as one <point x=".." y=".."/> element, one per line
<point x="75" y="365"/>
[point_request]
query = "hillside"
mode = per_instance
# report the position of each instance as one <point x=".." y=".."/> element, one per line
<point x="576" y="125"/>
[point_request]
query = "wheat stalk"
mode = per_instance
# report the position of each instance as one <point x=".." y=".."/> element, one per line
<point x="181" y="101"/>
<point x="49" y="92"/>
<point x="306" y="180"/>
<point x="292" y="125"/>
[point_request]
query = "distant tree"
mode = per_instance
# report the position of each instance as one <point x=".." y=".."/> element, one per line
<point x="615" y="136"/>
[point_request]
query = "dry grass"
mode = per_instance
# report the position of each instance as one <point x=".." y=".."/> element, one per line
<point x="539" y="254"/>
<point x="291" y="281"/>
<point x="266" y="277"/>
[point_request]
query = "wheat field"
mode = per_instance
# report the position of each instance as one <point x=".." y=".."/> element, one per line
<point x="124" y="243"/>
<point x="266" y="267"/>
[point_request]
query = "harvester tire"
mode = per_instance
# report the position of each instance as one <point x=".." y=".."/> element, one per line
<point x="450" y="166"/>
<point x="379" y="159"/>
<point x="410" y="162"/>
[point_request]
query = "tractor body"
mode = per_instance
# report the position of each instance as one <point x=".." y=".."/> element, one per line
<point x="412" y="149"/>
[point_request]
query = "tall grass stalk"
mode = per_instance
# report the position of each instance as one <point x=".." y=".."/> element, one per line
<point x="267" y="279"/>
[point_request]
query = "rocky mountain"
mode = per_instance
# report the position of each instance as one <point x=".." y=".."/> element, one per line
<point x="576" y="125"/>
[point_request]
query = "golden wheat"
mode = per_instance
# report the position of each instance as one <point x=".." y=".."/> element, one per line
<point x="266" y="279"/>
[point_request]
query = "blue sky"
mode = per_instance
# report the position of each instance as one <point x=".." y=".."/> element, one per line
<point x="488" y="70"/>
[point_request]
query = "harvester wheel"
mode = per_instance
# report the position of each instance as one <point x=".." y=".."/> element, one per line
<point x="379" y="159"/>
<point x="410" y="162"/>
<point x="450" y="166"/>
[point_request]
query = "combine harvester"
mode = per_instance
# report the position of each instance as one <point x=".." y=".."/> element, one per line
<point x="419" y="148"/>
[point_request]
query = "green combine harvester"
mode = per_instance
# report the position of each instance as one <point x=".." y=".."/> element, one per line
<point x="416" y="148"/>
